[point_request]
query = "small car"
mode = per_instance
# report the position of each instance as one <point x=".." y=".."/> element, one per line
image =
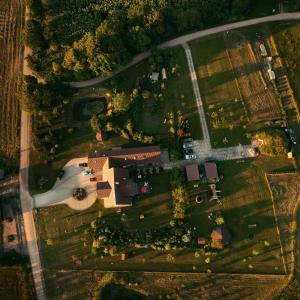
<point x="82" y="165"/>
<point x="93" y="179"/>
<point x="61" y="174"/>
<point x="190" y="156"/>
<point x="188" y="151"/>
<point x="187" y="143"/>
<point x="87" y="172"/>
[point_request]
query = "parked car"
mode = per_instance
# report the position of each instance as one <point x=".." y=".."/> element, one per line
<point x="87" y="172"/>
<point x="93" y="179"/>
<point x="187" y="143"/>
<point x="188" y="151"/>
<point x="11" y="238"/>
<point x="191" y="156"/>
<point x="61" y="174"/>
<point x="82" y="165"/>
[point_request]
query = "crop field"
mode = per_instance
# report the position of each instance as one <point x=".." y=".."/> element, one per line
<point x="138" y="285"/>
<point x="11" y="15"/>
<point x="285" y="190"/>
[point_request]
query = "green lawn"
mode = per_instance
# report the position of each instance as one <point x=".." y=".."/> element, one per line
<point x="224" y="108"/>
<point x="245" y="200"/>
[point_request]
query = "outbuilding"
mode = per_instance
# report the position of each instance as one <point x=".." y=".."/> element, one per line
<point x="211" y="172"/>
<point x="192" y="172"/>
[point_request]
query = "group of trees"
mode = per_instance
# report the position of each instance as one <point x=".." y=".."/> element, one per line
<point x="46" y="102"/>
<point x="86" y="38"/>
<point x="112" y="240"/>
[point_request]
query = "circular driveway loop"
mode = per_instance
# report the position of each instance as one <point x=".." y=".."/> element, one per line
<point x="61" y="193"/>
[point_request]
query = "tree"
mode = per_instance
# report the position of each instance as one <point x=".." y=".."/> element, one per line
<point x="33" y="35"/>
<point x="79" y="193"/>
<point x="121" y="102"/>
<point x="170" y="258"/>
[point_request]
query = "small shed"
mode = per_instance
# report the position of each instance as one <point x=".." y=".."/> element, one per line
<point x="211" y="172"/>
<point x="220" y="237"/>
<point x="99" y="136"/>
<point x="154" y="76"/>
<point x="201" y="241"/>
<point x="123" y="256"/>
<point x="290" y="155"/>
<point x="142" y="216"/>
<point x="192" y="172"/>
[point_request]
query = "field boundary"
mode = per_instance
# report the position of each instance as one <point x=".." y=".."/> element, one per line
<point x="293" y="219"/>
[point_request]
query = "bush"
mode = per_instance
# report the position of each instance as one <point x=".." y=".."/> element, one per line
<point x="272" y="143"/>
<point x="79" y="193"/>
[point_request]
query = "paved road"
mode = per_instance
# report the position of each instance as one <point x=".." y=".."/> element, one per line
<point x="26" y="199"/>
<point x="189" y="37"/>
<point x="196" y="90"/>
<point x="61" y="193"/>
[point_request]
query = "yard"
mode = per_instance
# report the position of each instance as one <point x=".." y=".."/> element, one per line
<point x="245" y="200"/>
<point x="219" y="89"/>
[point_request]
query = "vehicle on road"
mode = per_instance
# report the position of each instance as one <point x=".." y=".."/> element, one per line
<point x="87" y="172"/>
<point x="61" y="174"/>
<point x="191" y="156"/>
<point x="82" y="165"/>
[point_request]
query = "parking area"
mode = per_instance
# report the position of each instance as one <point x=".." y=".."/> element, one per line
<point x="62" y="191"/>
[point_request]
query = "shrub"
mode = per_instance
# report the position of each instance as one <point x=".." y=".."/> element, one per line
<point x="272" y="143"/>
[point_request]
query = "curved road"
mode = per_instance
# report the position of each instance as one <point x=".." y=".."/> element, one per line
<point x="187" y="38"/>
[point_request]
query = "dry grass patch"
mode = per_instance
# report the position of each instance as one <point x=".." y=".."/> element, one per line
<point x="285" y="191"/>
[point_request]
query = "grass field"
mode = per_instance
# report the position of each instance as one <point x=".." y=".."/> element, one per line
<point x="246" y="200"/>
<point x="220" y="91"/>
<point x="285" y="190"/>
<point x="138" y="285"/>
<point x="11" y="18"/>
<point x="14" y="284"/>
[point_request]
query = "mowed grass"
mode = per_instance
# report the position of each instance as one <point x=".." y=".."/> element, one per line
<point x="219" y="89"/>
<point x="245" y="200"/>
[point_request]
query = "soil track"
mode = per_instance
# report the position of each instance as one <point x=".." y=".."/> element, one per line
<point x="11" y="21"/>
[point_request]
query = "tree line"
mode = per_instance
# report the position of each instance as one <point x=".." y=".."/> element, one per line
<point x="76" y="40"/>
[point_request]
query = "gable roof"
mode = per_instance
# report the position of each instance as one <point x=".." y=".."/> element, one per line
<point x="103" y="189"/>
<point x="124" y="157"/>
<point x="211" y="170"/>
<point x="192" y="172"/>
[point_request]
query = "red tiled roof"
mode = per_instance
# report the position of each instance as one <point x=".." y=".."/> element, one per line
<point x="103" y="189"/>
<point x="192" y="172"/>
<point x="125" y="157"/>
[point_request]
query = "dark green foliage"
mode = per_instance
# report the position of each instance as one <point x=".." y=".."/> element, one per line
<point x="79" y="193"/>
<point x="177" y="177"/>
<point x="33" y="35"/>
<point x="100" y="35"/>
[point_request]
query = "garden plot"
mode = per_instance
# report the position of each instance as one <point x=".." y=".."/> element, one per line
<point x="261" y="102"/>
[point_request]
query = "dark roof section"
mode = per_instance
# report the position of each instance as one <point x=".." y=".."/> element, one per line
<point x="192" y="172"/>
<point x="125" y="157"/>
<point x="211" y="170"/>
<point x="124" y="187"/>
